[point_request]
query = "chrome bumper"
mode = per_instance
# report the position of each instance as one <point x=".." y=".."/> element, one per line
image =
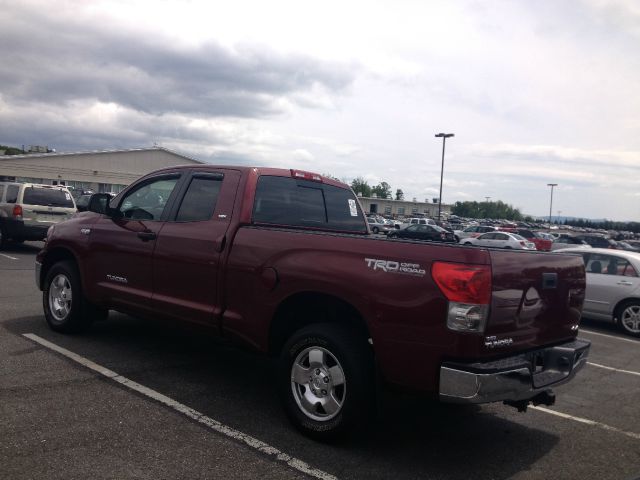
<point x="520" y="377"/>
<point x="38" y="269"/>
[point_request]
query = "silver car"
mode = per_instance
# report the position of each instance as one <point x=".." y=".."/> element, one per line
<point x="613" y="287"/>
<point x="500" y="240"/>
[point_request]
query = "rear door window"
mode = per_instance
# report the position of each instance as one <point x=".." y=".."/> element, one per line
<point x="302" y="203"/>
<point x="51" y="197"/>
<point x="200" y="199"/>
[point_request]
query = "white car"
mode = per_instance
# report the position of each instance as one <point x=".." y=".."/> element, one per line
<point x="378" y="226"/>
<point x="500" y="240"/>
<point x="613" y="287"/>
<point x="473" y="231"/>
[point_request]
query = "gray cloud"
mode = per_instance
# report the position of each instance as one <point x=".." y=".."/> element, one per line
<point x="57" y="60"/>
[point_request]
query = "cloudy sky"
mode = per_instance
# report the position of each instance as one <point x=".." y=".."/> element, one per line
<point x="535" y="92"/>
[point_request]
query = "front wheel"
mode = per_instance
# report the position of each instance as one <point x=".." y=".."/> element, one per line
<point x="326" y="380"/>
<point x="628" y="315"/>
<point x="65" y="308"/>
<point x="375" y="230"/>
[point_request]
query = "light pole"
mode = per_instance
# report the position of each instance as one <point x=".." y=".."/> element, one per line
<point x="444" y="139"/>
<point x="487" y="199"/>
<point x="551" y="202"/>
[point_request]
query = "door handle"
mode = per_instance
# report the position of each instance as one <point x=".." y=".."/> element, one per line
<point x="146" y="236"/>
<point x="624" y="282"/>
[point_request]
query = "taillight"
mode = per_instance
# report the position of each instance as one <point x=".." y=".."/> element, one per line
<point x="468" y="289"/>
<point x="17" y="212"/>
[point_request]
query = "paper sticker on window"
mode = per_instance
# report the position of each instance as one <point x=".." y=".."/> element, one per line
<point x="352" y="207"/>
<point x="67" y="196"/>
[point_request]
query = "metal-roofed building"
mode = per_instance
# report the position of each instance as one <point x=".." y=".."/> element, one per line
<point x="100" y="171"/>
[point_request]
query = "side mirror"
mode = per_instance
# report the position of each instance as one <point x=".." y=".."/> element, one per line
<point x="99" y="203"/>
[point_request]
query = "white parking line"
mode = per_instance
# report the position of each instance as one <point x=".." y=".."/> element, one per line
<point x="252" y="442"/>
<point x="614" y="369"/>
<point x="8" y="256"/>
<point x="591" y="332"/>
<point x="587" y="422"/>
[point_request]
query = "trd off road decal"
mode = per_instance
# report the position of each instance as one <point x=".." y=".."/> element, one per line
<point x="391" y="266"/>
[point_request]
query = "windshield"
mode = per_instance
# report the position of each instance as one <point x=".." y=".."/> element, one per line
<point x="51" y="197"/>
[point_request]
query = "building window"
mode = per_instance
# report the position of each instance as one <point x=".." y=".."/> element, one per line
<point x="400" y="210"/>
<point x="414" y="210"/>
<point x="387" y="209"/>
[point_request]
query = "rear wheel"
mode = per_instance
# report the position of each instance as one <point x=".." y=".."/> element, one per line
<point x="628" y="315"/>
<point x="375" y="230"/>
<point x="65" y="308"/>
<point x="326" y="380"/>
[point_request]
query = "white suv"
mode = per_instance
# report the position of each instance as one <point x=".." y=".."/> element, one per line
<point x="27" y="210"/>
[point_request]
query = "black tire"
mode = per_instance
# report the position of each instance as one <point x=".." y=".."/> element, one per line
<point x="3" y="238"/>
<point x="346" y="370"/>
<point x="467" y="243"/>
<point x="392" y="235"/>
<point x="65" y="308"/>
<point x="375" y="230"/>
<point x="628" y="317"/>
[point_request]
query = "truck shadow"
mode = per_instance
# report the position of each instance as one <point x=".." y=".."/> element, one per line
<point x="26" y="247"/>
<point x="413" y="438"/>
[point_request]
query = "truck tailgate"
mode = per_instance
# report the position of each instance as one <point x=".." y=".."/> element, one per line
<point x="536" y="299"/>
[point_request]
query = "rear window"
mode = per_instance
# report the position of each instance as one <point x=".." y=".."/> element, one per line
<point x="301" y="203"/>
<point x="12" y="193"/>
<point x="51" y="197"/>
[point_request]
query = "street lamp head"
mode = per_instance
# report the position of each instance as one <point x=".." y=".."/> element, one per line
<point x="445" y="135"/>
<point x="552" y="184"/>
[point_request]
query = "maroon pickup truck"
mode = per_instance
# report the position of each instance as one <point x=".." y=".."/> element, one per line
<point x="284" y="261"/>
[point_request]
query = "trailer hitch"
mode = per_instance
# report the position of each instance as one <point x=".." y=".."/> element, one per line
<point x="546" y="397"/>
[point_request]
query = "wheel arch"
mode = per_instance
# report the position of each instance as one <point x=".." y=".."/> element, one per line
<point x="306" y="308"/>
<point x="616" y="309"/>
<point x="54" y="256"/>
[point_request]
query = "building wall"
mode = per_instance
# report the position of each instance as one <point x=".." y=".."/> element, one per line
<point x="401" y="208"/>
<point x="98" y="171"/>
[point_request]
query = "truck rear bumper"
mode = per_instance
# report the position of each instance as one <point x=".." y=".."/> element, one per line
<point x="512" y="379"/>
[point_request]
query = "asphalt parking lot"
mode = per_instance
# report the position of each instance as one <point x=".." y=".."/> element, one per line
<point x="134" y="399"/>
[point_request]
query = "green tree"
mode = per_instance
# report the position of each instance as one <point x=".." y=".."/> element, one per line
<point x="382" y="190"/>
<point x="360" y="186"/>
<point x="11" y="150"/>
<point x="497" y="209"/>
<point x="399" y="194"/>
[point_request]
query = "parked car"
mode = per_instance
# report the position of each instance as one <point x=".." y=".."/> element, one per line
<point x="542" y="244"/>
<point x="567" y="241"/>
<point x="424" y="232"/>
<point x="613" y="287"/>
<point x="473" y="231"/>
<point x="282" y="260"/>
<point x="27" y="210"/>
<point x="500" y="240"/>
<point x="417" y="221"/>
<point x="378" y="226"/>
<point x="622" y="245"/>
<point x="597" y="241"/>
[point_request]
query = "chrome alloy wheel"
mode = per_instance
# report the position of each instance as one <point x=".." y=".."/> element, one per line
<point x="60" y="297"/>
<point x="630" y="318"/>
<point x="318" y="383"/>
